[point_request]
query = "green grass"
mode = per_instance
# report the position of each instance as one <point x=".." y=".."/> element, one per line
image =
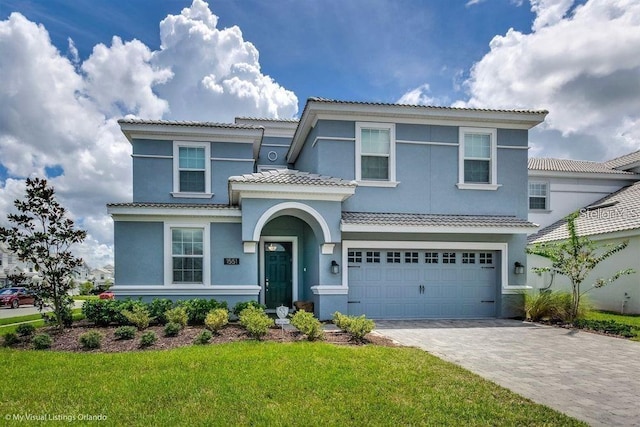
<point x="85" y="297"/>
<point x="19" y="319"/>
<point x="625" y="319"/>
<point x="10" y="324"/>
<point x="254" y="383"/>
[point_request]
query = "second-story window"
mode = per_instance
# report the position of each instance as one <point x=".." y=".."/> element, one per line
<point x="477" y="163"/>
<point x="375" y="152"/>
<point x="538" y="196"/>
<point x="191" y="170"/>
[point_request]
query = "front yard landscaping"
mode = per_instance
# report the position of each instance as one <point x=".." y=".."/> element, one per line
<point x="261" y="383"/>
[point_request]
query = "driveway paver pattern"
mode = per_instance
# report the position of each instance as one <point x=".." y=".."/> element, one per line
<point x="591" y="377"/>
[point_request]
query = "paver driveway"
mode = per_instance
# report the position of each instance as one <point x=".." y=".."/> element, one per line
<point x="591" y="377"/>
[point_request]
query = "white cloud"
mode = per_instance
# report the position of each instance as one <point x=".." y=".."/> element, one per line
<point x="59" y="111"/>
<point x="419" y="96"/>
<point x="583" y="67"/>
<point x="217" y="73"/>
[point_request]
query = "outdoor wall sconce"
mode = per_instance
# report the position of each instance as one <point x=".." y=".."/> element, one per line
<point x="518" y="268"/>
<point x="335" y="267"/>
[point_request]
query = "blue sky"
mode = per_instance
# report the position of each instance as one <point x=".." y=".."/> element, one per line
<point x="71" y="68"/>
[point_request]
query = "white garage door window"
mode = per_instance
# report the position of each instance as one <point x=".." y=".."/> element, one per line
<point x="395" y="284"/>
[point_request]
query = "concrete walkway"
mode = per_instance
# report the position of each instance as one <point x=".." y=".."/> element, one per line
<point x="591" y="377"/>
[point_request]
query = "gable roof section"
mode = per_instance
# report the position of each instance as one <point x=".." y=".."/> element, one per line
<point x="198" y="131"/>
<point x="627" y="161"/>
<point x="433" y="223"/>
<point x="565" y="165"/>
<point x="619" y="211"/>
<point x="288" y="183"/>
<point x="317" y="108"/>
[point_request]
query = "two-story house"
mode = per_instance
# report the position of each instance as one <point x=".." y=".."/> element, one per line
<point x="393" y="211"/>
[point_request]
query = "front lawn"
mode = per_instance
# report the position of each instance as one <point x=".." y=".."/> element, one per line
<point x="261" y="383"/>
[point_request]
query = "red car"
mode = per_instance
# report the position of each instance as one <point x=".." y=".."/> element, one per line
<point x="15" y="297"/>
<point x="107" y="295"/>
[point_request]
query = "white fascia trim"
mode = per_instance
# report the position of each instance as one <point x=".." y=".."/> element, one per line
<point x="191" y="133"/>
<point x="173" y="212"/>
<point x="372" y="228"/>
<point x="177" y="217"/>
<point x="329" y="290"/>
<point x="127" y="290"/>
<point x="584" y="175"/>
<point x="385" y="184"/>
<point x="331" y="138"/>
<point x="483" y="187"/>
<point x="376" y="244"/>
<point x="241" y="190"/>
<point x="206" y="250"/>
<point x="228" y="159"/>
<point x="406" y="141"/>
<point x="151" y="156"/>
<point x="514" y="147"/>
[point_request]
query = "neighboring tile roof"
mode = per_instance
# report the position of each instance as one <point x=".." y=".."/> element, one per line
<point x="292" y="177"/>
<point x="622" y="161"/>
<point x="267" y="119"/>
<point x="171" y="205"/>
<point x="187" y="123"/>
<point x="433" y="220"/>
<point x="564" y="165"/>
<point x="334" y="101"/>
<point x="618" y="211"/>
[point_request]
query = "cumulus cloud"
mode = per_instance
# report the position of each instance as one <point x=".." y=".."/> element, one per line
<point x="419" y="96"/>
<point x="216" y="73"/>
<point x="59" y="111"/>
<point x="581" y="63"/>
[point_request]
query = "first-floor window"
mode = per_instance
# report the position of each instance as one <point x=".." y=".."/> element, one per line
<point x="187" y="254"/>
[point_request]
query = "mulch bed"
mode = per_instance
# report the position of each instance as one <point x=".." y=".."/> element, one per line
<point x="68" y="340"/>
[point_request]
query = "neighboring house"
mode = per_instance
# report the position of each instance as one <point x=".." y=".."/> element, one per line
<point x="393" y="211"/>
<point x="81" y="273"/>
<point x="101" y="276"/>
<point x="11" y="265"/>
<point x="607" y="195"/>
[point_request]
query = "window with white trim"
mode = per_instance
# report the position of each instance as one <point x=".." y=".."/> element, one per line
<point x="187" y="255"/>
<point x="538" y="196"/>
<point x="375" y="152"/>
<point x="187" y="259"/>
<point x="477" y="159"/>
<point x="191" y="169"/>
<point x="431" y="257"/>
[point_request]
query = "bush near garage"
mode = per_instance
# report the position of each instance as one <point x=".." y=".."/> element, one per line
<point x="308" y="325"/>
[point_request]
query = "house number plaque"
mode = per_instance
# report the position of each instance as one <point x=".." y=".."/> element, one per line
<point x="231" y="261"/>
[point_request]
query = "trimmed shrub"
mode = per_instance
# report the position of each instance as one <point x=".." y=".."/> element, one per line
<point x="41" y="341"/>
<point x="177" y="315"/>
<point x="308" y="325"/>
<point x="90" y="340"/>
<point x="216" y="319"/>
<point x="237" y="309"/>
<point x="341" y="321"/>
<point x="357" y="327"/>
<point x="67" y="317"/>
<point x="607" y="326"/>
<point x="255" y="321"/>
<point x="138" y="316"/>
<point x="102" y="312"/>
<point x="130" y="306"/>
<point x="148" y="339"/>
<point x="25" y="329"/>
<point x="158" y="307"/>
<point x="203" y="337"/>
<point x="198" y="308"/>
<point x="125" y="333"/>
<point x="172" y="329"/>
<point x="10" y="338"/>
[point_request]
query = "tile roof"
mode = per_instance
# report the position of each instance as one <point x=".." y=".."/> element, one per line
<point x="622" y="161"/>
<point x="171" y="205"/>
<point x="334" y="101"/>
<point x="433" y="220"/>
<point x="564" y="165"/>
<point x="187" y="124"/>
<point x="291" y="177"/>
<point x="618" y="211"/>
<point x="267" y="119"/>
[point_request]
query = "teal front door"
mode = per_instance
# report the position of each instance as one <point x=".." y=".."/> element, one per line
<point x="277" y="274"/>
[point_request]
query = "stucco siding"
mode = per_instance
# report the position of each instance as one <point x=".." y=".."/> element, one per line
<point x="226" y="242"/>
<point x="139" y="253"/>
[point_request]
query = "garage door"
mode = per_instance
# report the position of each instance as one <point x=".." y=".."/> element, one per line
<point x="445" y="284"/>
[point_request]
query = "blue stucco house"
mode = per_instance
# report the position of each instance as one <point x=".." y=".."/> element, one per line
<point x="393" y="211"/>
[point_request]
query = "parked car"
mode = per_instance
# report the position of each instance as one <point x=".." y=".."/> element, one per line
<point x="107" y="295"/>
<point x="15" y="297"/>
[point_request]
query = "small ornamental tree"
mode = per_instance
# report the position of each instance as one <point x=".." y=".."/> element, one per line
<point x="575" y="258"/>
<point x="42" y="235"/>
